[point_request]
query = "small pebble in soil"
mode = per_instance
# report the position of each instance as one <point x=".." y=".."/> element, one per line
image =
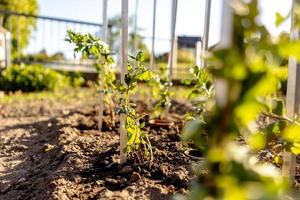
<point x="126" y="169"/>
<point x="135" y="177"/>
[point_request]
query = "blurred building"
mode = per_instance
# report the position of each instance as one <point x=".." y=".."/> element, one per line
<point x="188" y="42"/>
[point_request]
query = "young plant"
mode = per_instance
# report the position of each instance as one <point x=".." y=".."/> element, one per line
<point x="138" y="145"/>
<point x="160" y="90"/>
<point x="201" y="93"/>
<point x="91" y="46"/>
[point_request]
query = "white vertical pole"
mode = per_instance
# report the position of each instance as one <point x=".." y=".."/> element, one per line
<point x="19" y="51"/>
<point x="206" y="30"/>
<point x="152" y="58"/>
<point x="175" y="48"/>
<point x="221" y="85"/>
<point x="104" y="38"/>
<point x="173" y="39"/>
<point x="124" y="57"/>
<point x="292" y="98"/>
<point x="7" y="49"/>
<point x="105" y="21"/>
<point x="198" y="53"/>
<point x="226" y="27"/>
<point x="136" y="27"/>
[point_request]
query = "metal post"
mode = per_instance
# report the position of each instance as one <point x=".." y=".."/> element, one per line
<point x="104" y="38"/>
<point x="206" y="30"/>
<point x="152" y="56"/>
<point x="124" y="57"/>
<point x="292" y="98"/>
<point x="135" y="48"/>
<point x="173" y="28"/>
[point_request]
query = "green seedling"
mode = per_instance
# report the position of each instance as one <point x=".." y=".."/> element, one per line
<point x="138" y="143"/>
<point x="160" y="90"/>
<point x="91" y="46"/>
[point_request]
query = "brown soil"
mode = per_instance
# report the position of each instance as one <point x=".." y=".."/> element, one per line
<point x="56" y="152"/>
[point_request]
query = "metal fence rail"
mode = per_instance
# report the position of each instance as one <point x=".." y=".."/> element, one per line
<point x="47" y="39"/>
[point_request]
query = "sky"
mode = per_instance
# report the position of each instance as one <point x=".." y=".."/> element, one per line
<point x="190" y="18"/>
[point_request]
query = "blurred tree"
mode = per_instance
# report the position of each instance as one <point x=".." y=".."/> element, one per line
<point x="21" y="27"/>
<point x="115" y="34"/>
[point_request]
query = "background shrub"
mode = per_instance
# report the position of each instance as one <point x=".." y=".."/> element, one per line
<point x="30" y="78"/>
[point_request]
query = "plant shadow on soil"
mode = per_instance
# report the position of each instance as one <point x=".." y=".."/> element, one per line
<point x="67" y="158"/>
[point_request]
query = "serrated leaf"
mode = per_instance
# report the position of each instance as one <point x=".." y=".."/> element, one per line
<point x="279" y="19"/>
<point x="186" y="82"/>
<point x="292" y="133"/>
<point x="145" y="76"/>
<point x="140" y="57"/>
<point x="296" y="148"/>
<point x="142" y="125"/>
<point x="279" y="107"/>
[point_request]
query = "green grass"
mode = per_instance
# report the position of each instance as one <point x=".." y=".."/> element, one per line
<point x="64" y="95"/>
<point x="177" y="92"/>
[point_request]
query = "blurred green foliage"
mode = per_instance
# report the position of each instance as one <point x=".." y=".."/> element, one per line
<point x="185" y="56"/>
<point x="26" y="26"/>
<point x="30" y="78"/>
<point x="115" y="34"/>
<point x="248" y="79"/>
<point x="161" y="91"/>
<point x="201" y="94"/>
<point x="39" y="57"/>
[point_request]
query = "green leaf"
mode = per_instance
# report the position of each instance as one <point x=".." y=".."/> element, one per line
<point x="279" y="107"/>
<point x="142" y="125"/>
<point x="279" y="19"/>
<point x="296" y="148"/>
<point x="274" y="129"/>
<point x="292" y="133"/>
<point x="129" y="68"/>
<point x="120" y="87"/>
<point x="257" y="141"/>
<point x="140" y="57"/>
<point x="145" y="76"/>
<point x="192" y="129"/>
<point x="247" y="112"/>
<point x="127" y="79"/>
<point x="203" y="78"/>
<point x="186" y="81"/>
<point x="194" y="93"/>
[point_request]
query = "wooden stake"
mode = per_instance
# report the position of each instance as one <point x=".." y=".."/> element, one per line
<point x="206" y="31"/>
<point x="135" y="45"/>
<point x="173" y="38"/>
<point x="152" y="56"/>
<point x="198" y="53"/>
<point x="124" y="57"/>
<point x="225" y="42"/>
<point x="226" y="26"/>
<point x="104" y="38"/>
<point x="292" y="99"/>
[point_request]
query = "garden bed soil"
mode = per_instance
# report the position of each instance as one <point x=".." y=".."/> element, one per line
<point x="56" y="152"/>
